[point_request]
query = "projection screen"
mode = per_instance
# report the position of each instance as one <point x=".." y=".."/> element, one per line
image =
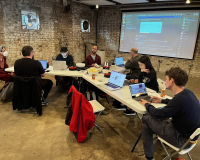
<point x="161" y="33"/>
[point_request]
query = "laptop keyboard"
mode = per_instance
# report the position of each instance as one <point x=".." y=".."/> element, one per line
<point x="112" y="86"/>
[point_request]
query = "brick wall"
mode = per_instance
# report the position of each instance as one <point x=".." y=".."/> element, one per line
<point x="108" y="40"/>
<point x="56" y="29"/>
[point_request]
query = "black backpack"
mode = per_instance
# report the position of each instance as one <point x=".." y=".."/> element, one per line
<point x="6" y="93"/>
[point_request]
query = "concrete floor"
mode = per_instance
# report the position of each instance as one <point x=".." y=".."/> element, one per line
<point x="27" y="136"/>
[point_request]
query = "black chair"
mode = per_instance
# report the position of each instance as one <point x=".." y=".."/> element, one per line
<point x="27" y="93"/>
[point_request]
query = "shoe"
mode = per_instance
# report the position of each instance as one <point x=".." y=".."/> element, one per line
<point x="129" y="112"/>
<point x="120" y="108"/>
<point x="44" y="103"/>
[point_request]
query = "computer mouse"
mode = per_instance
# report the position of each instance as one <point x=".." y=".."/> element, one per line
<point x="153" y="100"/>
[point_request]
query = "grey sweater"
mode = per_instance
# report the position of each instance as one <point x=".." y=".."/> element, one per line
<point x="134" y="66"/>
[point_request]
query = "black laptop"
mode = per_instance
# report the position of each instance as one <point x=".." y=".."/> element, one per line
<point x="138" y="92"/>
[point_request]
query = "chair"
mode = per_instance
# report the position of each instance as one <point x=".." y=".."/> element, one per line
<point x="161" y="83"/>
<point x="180" y="150"/>
<point x="97" y="107"/>
<point x="27" y="93"/>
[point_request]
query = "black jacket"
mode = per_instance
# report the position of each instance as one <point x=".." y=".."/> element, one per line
<point x="150" y="80"/>
<point x="27" y="93"/>
<point x="69" y="60"/>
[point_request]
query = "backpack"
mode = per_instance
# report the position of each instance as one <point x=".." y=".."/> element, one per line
<point x="6" y="93"/>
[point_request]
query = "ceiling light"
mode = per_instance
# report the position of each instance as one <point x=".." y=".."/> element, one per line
<point x="188" y="1"/>
<point x="97" y="6"/>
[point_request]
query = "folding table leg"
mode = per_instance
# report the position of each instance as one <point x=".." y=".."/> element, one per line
<point x="136" y="142"/>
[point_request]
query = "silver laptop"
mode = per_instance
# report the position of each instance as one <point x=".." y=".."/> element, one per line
<point x="138" y="92"/>
<point x="119" y="61"/>
<point x="115" y="82"/>
<point x="59" y="65"/>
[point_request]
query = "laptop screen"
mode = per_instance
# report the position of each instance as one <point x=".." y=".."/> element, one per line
<point x="117" y="78"/>
<point x="119" y="61"/>
<point x="44" y="63"/>
<point x="137" y="89"/>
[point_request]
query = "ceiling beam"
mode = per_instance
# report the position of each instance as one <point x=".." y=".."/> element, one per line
<point x="117" y="3"/>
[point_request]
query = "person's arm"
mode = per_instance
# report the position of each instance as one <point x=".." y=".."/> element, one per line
<point x="41" y="70"/>
<point x="58" y="57"/>
<point x="131" y="63"/>
<point x="99" y="61"/>
<point x="87" y="62"/>
<point x="165" y="112"/>
<point x="71" y="61"/>
<point x="140" y="77"/>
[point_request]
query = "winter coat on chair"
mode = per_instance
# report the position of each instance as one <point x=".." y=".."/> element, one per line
<point x="80" y="116"/>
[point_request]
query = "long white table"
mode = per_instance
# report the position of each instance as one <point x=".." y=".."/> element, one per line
<point x="123" y="95"/>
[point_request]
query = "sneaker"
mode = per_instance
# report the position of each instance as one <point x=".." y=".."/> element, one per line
<point x="129" y="112"/>
<point x="120" y="108"/>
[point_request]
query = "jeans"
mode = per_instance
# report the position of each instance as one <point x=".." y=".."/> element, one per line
<point x="163" y="129"/>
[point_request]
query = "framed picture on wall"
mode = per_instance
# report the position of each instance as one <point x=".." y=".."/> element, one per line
<point x="30" y="20"/>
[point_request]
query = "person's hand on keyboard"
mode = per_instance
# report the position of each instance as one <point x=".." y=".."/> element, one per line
<point x="155" y="100"/>
<point x="143" y="102"/>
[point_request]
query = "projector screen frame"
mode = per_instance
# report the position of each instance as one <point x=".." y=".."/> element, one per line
<point x="162" y="9"/>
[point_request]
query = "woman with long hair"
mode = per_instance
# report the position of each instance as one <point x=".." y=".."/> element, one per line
<point x="147" y="74"/>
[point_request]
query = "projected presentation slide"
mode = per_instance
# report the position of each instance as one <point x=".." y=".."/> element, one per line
<point x="161" y="33"/>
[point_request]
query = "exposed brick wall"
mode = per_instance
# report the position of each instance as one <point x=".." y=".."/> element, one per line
<point x="109" y="21"/>
<point x="56" y="29"/>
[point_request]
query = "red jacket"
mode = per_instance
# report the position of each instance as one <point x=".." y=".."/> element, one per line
<point x="89" y="61"/>
<point x="87" y="117"/>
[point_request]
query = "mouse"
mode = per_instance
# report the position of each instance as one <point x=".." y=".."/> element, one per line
<point x="153" y="100"/>
<point x="47" y="71"/>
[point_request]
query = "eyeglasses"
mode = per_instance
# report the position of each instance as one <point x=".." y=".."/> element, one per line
<point x="33" y="51"/>
<point x="63" y="52"/>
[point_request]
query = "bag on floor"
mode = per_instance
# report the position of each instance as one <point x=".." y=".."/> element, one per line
<point x="6" y="93"/>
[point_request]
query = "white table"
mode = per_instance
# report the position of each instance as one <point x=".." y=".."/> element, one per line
<point x="123" y="95"/>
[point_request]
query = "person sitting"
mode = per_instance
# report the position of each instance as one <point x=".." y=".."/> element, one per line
<point x="183" y="110"/>
<point x="5" y="76"/>
<point x="28" y="67"/>
<point x="146" y="76"/>
<point x="132" y="64"/>
<point x="93" y="59"/>
<point x="3" y="50"/>
<point x="64" y="81"/>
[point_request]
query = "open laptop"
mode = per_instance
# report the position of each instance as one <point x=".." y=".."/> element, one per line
<point x="138" y="92"/>
<point x="44" y="63"/>
<point x="119" y="61"/>
<point x="115" y="82"/>
<point x="59" y="65"/>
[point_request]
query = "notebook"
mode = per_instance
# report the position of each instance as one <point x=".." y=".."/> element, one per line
<point x="44" y="63"/>
<point x="115" y="82"/>
<point x="119" y="61"/>
<point x="59" y="65"/>
<point x="138" y="92"/>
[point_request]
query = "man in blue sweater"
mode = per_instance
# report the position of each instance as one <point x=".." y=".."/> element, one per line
<point x="184" y="109"/>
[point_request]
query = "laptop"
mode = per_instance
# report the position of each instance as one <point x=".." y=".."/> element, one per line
<point x="59" y="65"/>
<point x="115" y="82"/>
<point x="138" y="92"/>
<point x="44" y="64"/>
<point x="119" y="61"/>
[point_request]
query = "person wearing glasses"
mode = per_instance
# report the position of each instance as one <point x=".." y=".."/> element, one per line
<point x="29" y="67"/>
